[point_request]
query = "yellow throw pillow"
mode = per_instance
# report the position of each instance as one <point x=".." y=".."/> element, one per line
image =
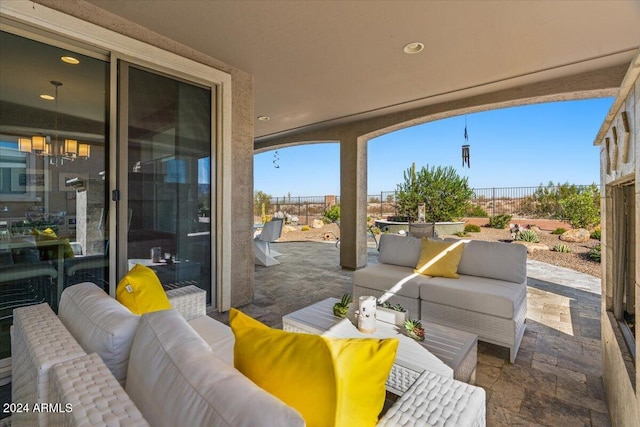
<point x="141" y="292"/>
<point x="49" y="234"/>
<point x="330" y="381"/>
<point x="439" y="258"/>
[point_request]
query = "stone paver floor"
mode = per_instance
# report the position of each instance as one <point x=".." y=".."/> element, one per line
<point x="556" y="379"/>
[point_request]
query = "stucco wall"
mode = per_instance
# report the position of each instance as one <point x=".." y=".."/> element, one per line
<point x="622" y="398"/>
<point x="241" y="170"/>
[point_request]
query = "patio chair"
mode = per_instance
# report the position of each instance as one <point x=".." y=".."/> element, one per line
<point x="264" y="255"/>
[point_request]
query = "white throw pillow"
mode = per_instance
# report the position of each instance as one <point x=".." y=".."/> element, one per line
<point x="175" y="380"/>
<point x="100" y="324"/>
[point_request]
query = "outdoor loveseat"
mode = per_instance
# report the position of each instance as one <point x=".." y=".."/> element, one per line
<point x="489" y="297"/>
<point x="170" y="368"/>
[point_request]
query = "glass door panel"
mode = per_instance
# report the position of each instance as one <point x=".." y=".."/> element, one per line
<point x="168" y="178"/>
<point x="53" y="145"/>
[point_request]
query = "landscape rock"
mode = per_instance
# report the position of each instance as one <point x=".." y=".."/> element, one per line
<point x="287" y="228"/>
<point x="578" y="235"/>
<point x="532" y="247"/>
<point x="317" y="223"/>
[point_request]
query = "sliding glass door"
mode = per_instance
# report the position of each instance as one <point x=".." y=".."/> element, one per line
<point x="53" y="180"/>
<point x="165" y="132"/>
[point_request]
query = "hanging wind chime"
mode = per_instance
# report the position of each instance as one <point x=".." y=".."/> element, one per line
<point x="276" y="158"/>
<point x="466" y="156"/>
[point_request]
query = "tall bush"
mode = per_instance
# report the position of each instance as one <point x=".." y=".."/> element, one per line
<point x="444" y="193"/>
<point x="332" y="214"/>
<point x="260" y="197"/>
<point x="582" y="209"/>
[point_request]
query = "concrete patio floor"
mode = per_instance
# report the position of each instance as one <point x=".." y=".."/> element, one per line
<point x="556" y="379"/>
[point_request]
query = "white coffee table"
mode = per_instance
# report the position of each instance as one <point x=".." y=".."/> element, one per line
<point x="446" y="351"/>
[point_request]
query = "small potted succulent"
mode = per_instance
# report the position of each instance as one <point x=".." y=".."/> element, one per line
<point x="391" y="313"/>
<point x="340" y="308"/>
<point x="414" y="329"/>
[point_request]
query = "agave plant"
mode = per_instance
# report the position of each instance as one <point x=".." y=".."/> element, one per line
<point x="528" y="236"/>
<point x="561" y="247"/>
<point x="414" y="329"/>
<point x="340" y="308"/>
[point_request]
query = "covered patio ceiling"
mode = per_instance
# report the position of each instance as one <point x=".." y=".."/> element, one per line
<point x="317" y="64"/>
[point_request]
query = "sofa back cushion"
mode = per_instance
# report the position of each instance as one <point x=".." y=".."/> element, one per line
<point x="399" y="250"/>
<point x="175" y="380"/>
<point x="494" y="260"/>
<point x="100" y="324"/>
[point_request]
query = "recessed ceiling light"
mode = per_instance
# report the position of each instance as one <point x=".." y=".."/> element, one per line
<point x="47" y="97"/>
<point x="264" y="118"/>
<point x="412" y="48"/>
<point x="70" y="60"/>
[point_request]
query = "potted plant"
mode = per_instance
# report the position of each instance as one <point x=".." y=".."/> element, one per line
<point x="340" y="308"/>
<point x="414" y="329"/>
<point x="391" y="313"/>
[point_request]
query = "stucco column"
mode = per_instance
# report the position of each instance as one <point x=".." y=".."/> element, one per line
<point x="353" y="202"/>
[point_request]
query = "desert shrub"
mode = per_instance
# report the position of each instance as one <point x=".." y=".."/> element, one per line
<point x="471" y="228"/>
<point x="528" y="236"/>
<point x="595" y="253"/>
<point x="582" y="209"/>
<point x="499" y="221"/>
<point x="261" y="202"/>
<point x="332" y="214"/>
<point x="444" y="193"/>
<point x="461" y="234"/>
<point x="561" y="247"/>
<point x="305" y="228"/>
<point x="473" y="210"/>
<point x="597" y="234"/>
<point x="559" y="230"/>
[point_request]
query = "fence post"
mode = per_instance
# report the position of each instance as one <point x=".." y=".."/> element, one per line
<point x="493" y="201"/>
<point x="381" y="201"/>
<point x="307" y="208"/>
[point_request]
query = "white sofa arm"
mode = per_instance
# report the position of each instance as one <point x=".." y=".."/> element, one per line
<point x="190" y="301"/>
<point x="85" y="393"/>
<point x="437" y="400"/>
<point x="39" y="340"/>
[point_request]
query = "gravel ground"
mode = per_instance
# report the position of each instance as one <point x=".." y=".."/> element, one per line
<point x="577" y="259"/>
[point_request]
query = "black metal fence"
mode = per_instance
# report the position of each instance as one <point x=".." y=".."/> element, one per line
<point x="527" y="202"/>
<point x="302" y="210"/>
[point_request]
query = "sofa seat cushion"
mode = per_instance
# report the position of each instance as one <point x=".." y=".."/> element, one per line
<point x="218" y="335"/>
<point x="100" y="324"/>
<point x="175" y="380"/>
<point x="480" y="294"/>
<point x="394" y="278"/>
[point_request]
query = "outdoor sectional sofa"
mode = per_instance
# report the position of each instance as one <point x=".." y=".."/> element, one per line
<point x="488" y="299"/>
<point x="170" y="368"/>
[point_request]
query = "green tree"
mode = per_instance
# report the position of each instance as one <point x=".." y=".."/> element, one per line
<point x="260" y="197"/>
<point x="444" y="193"/>
<point x="582" y="208"/>
<point x="332" y="214"/>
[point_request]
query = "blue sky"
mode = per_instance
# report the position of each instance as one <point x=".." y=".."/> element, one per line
<point x="511" y="147"/>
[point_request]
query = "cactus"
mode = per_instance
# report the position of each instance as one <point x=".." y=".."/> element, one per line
<point x="340" y="308"/>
